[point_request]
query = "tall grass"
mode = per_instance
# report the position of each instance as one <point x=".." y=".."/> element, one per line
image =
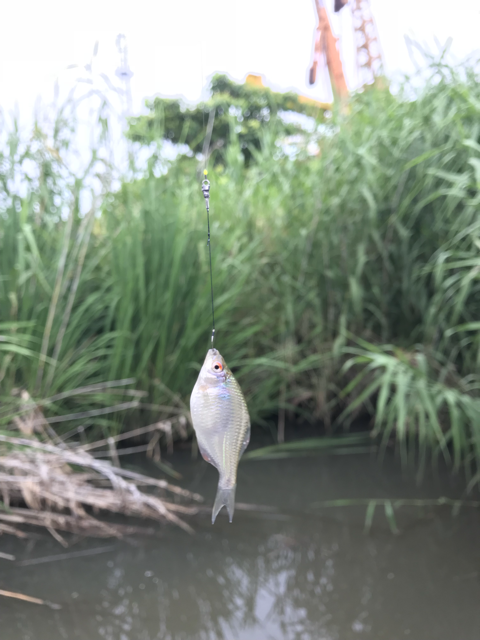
<point x="377" y="237"/>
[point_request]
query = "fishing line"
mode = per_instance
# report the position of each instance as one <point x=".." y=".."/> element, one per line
<point x="203" y="85"/>
<point x="206" y="195"/>
<point x="206" y="185"/>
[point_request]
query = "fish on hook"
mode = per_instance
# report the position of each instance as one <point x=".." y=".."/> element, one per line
<point x="222" y="425"/>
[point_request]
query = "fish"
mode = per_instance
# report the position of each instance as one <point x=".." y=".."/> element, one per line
<point x="222" y="425"/>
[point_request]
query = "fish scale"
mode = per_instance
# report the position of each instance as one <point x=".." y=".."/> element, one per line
<point x="222" y="425"/>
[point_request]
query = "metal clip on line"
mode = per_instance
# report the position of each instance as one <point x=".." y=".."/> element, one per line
<point x="206" y="193"/>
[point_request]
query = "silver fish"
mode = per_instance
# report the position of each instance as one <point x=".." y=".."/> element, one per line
<point x="222" y="424"/>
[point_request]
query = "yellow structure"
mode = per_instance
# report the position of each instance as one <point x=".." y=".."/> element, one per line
<point x="256" y="81"/>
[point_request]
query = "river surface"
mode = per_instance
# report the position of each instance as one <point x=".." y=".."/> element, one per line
<point x="299" y="573"/>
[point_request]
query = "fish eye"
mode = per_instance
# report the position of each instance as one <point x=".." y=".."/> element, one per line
<point x="217" y="366"/>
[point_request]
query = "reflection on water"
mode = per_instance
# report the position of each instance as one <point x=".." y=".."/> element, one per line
<point x="294" y="575"/>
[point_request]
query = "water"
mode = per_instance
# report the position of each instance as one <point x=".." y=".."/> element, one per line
<point x="298" y="574"/>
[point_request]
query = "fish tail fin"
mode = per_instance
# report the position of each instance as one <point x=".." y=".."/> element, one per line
<point x="225" y="497"/>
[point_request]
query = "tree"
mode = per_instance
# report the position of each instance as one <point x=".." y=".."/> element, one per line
<point x="246" y="108"/>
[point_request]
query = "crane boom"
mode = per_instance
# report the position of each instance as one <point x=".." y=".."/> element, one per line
<point x="326" y="45"/>
<point x="368" y="53"/>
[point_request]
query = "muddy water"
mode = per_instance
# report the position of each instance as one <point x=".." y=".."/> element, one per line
<point x="300" y="573"/>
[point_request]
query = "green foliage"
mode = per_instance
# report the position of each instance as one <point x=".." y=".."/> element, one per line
<point x="50" y="297"/>
<point x="376" y="237"/>
<point x="420" y="402"/>
<point x="238" y="111"/>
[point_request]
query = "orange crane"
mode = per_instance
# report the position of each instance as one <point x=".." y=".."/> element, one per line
<point x="326" y="47"/>
<point x="368" y="54"/>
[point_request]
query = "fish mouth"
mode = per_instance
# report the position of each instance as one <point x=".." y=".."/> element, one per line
<point x="213" y="352"/>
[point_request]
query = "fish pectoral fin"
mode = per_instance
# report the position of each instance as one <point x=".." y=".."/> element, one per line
<point x="225" y="497"/>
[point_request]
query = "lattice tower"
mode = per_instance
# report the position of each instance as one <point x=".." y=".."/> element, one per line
<point x="369" y="56"/>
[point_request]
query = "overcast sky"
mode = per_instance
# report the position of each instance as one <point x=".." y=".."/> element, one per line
<point x="175" y="45"/>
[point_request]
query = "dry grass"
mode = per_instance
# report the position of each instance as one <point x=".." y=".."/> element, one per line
<point x="63" y="486"/>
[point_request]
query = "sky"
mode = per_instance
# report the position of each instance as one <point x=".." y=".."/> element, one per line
<point x="175" y="46"/>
